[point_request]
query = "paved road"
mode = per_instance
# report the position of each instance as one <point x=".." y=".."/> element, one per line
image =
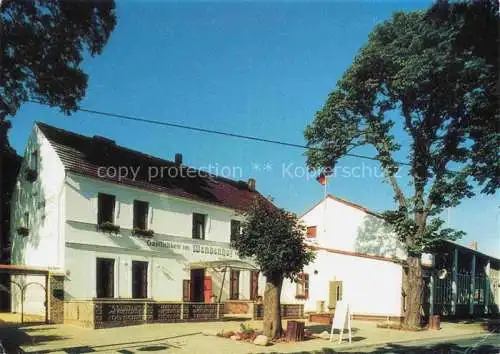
<point x="489" y="343"/>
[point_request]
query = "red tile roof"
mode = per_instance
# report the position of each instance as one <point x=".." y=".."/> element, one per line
<point x="84" y="155"/>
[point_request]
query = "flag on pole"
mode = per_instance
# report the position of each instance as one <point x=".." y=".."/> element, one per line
<point x="321" y="179"/>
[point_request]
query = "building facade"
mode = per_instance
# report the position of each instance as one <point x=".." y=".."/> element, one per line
<point x="359" y="260"/>
<point x="143" y="236"/>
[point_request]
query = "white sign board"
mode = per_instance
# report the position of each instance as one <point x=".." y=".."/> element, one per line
<point x="341" y="320"/>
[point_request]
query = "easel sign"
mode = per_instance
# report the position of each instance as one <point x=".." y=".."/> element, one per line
<point x="341" y="320"/>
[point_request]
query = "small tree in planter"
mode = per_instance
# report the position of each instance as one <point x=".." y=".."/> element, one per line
<point x="275" y="239"/>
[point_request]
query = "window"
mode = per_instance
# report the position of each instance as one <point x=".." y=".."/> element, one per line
<point x="302" y="291"/>
<point x="105" y="278"/>
<point x="139" y="280"/>
<point x="234" y="291"/>
<point x="141" y="215"/>
<point x="254" y="285"/>
<point x="311" y="232"/>
<point x="199" y="226"/>
<point x="235" y="230"/>
<point x="106" y="209"/>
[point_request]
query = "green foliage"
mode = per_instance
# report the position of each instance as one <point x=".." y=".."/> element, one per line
<point x="43" y="46"/>
<point x="438" y="69"/>
<point x="275" y="239"/>
<point x="245" y="328"/>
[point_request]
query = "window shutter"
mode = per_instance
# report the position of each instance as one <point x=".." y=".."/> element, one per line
<point x="116" y="211"/>
<point x="254" y="285"/>
<point x="186" y="290"/>
<point x="150" y="217"/>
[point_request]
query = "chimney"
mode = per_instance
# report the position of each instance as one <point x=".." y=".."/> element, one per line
<point x="473" y="245"/>
<point x="178" y="159"/>
<point x="251" y="184"/>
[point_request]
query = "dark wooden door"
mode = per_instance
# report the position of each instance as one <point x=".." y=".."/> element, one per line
<point x="197" y="285"/>
<point x="139" y="280"/>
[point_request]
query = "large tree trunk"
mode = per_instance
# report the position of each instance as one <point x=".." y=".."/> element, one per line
<point x="272" y="307"/>
<point x="413" y="286"/>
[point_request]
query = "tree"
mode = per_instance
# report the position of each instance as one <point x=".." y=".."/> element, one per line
<point x="275" y="239"/>
<point x="43" y="43"/>
<point x="434" y="73"/>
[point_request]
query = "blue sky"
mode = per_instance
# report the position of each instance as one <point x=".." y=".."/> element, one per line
<point x="259" y="69"/>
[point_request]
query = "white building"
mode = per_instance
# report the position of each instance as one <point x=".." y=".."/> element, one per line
<point x="358" y="259"/>
<point x="354" y="261"/>
<point x="140" y="236"/>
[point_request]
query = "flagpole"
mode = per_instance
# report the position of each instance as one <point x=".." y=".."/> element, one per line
<point x="324" y="202"/>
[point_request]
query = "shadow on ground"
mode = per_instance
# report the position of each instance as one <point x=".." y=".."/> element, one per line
<point x="12" y="337"/>
<point x="436" y="349"/>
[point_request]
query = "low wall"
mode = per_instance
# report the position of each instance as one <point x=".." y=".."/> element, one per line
<point x="116" y="312"/>
<point x="79" y="313"/>
<point x="238" y="307"/>
<point x="288" y="311"/>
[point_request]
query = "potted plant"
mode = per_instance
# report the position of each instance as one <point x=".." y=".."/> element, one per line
<point x="143" y="232"/>
<point x="23" y="231"/>
<point x="108" y="227"/>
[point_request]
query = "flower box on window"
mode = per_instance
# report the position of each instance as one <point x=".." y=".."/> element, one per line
<point x="300" y="297"/>
<point x="108" y="227"/>
<point x="23" y="231"/>
<point x="31" y="175"/>
<point x="141" y="232"/>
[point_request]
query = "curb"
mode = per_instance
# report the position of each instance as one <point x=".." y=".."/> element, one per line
<point x="384" y="343"/>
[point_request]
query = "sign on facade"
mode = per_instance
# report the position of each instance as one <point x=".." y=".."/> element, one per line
<point x="341" y="320"/>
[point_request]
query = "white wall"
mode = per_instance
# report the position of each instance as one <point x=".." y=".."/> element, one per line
<point x="370" y="286"/>
<point x="343" y="227"/>
<point x="170" y="218"/>
<point x="42" y="200"/>
<point x="168" y="215"/>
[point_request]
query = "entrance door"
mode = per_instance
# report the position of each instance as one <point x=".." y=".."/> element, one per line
<point x="197" y="280"/>
<point x="207" y="289"/>
<point x="335" y="294"/>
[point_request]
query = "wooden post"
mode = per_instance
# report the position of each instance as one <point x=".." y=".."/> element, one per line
<point x="47" y="298"/>
<point x="487" y="289"/>
<point x="472" y="284"/>
<point x="431" y="294"/>
<point x="454" y="289"/>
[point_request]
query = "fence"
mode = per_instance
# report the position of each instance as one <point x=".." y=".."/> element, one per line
<point x="484" y="288"/>
<point x="288" y="311"/>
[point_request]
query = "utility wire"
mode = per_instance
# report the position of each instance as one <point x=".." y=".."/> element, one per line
<point x="209" y="131"/>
